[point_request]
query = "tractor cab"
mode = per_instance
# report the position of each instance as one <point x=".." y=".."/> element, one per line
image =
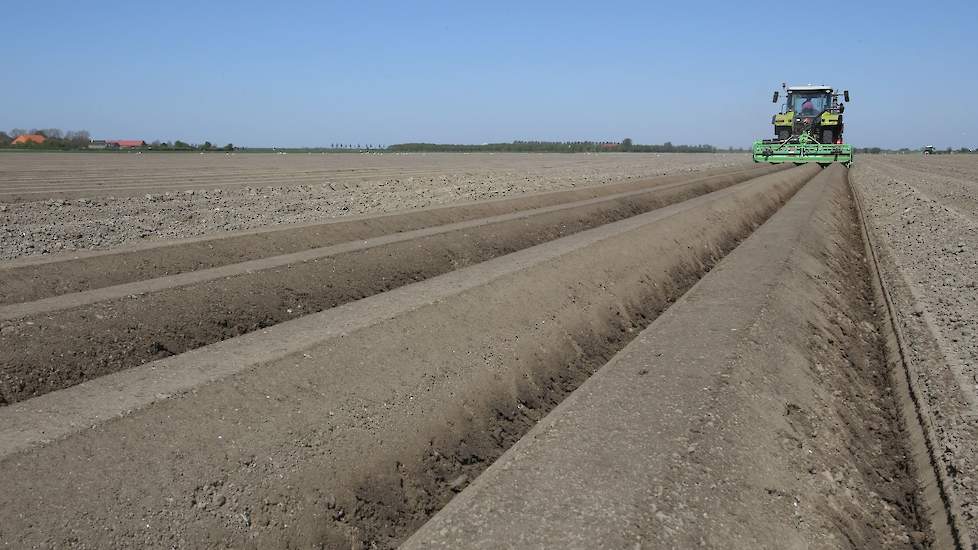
<point x="813" y="110"/>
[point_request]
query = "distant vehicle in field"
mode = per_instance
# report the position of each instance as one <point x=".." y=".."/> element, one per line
<point x="808" y="128"/>
<point x="929" y="150"/>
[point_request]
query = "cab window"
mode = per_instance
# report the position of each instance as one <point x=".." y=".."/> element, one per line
<point x="809" y="104"/>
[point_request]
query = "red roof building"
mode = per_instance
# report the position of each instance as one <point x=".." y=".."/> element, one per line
<point x="29" y="138"/>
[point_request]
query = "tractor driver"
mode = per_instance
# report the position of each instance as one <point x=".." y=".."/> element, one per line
<point x="808" y="108"/>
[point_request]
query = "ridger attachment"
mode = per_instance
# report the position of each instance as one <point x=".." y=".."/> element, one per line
<point x="800" y="150"/>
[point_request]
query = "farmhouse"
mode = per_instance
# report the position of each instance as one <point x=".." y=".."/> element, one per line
<point x="29" y="138"/>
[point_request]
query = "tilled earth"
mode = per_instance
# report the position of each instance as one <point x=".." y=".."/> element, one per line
<point x="337" y="382"/>
<point x="787" y="371"/>
<point x="63" y="202"/>
<point x="254" y="282"/>
<point x="924" y="210"/>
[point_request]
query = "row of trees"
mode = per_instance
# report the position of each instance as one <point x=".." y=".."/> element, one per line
<point x="625" y="145"/>
<point x="667" y="147"/>
<point x="55" y="138"/>
<point x="352" y="146"/>
<point x="905" y="150"/>
<point x="184" y="146"/>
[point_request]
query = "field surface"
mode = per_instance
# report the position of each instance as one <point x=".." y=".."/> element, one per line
<point x="54" y="202"/>
<point x="487" y="351"/>
<point x="924" y="210"/>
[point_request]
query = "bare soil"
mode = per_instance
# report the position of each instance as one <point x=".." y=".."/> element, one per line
<point x="58" y="202"/>
<point x="757" y="412"/>
<point x="59" y="346"/>
<point x="32" y="278"/>
<point x="356" y="439"/>
<point x="227" y="412"/>
<point x="923" y="211"/>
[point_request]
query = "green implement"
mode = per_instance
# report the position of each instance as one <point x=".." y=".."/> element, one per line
<point x="802" y="150"/>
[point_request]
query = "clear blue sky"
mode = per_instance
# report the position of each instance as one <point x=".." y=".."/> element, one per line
<point x="315" y="73"/>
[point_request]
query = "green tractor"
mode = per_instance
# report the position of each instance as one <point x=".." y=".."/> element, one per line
<point x="808" y="128"/>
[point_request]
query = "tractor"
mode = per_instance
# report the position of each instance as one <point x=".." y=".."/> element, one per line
<point x="808" y="128"/>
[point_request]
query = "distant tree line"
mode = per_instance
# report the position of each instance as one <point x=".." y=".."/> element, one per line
<point x="905" y="150"/>
<point x="342" y="146"/>
<point x="178" y="145"/>
<point x="55" y="138"/>
<point x="58" y="139"/>
<point x="624" y="146"/>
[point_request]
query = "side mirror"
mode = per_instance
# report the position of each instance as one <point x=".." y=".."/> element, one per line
<point x="842" y="108"/>
<point x="845" y="94"/>
<point x="775" y="100"/>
